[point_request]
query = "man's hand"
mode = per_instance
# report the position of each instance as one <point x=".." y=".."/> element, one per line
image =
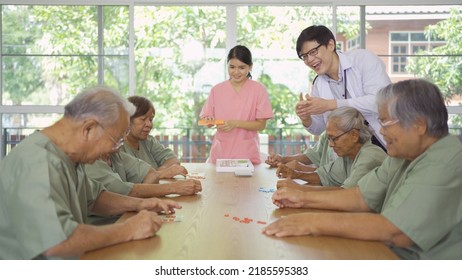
<point x="273" y="160"/>
<point x="144" y="224"/>
<point x="284" y="171"/>
<point x="292" y="225"/>
<point x="288" y="198"/>
<point x="187" y="187"/>
<point x="288" y="183"/>
<point x="318" y="105"/>
<point x="298" y="166"/>
<point x="302" y="111"/>
<point x="172" y="171"/>
<point x="166" y="206"/>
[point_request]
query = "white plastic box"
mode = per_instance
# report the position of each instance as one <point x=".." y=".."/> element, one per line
<point x="232" y="165"/>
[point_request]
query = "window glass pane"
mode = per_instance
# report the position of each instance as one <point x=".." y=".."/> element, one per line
<point x="402" y="68"/>
<point x="413" y="25"/>
<point x="16" y="127"/>
<point x="20" y="32"/>
<point x="455" y="123"/>
<point x="30" y="121"/>
<point x="116" y="30"/>
<point x="396" y="37"/>
<point x="420" y="37"/>
<point x="51" y="52"/>
<point x="179" y="55"/>
<point x="116" y="73"/>
<point x="46" y="80"/>
<point x="418" y="48"/>
<point x="50" y="30"/>
<point x="270" y="32"/>
<point x="348" y="26"/>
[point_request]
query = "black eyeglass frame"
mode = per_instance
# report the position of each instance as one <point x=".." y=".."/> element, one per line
<point x="333" y="139"/>
<point x="312" y="52"/>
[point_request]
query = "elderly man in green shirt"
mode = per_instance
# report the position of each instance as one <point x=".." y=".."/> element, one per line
<point x="45" y="196"/>
<point x="413" y="201"/>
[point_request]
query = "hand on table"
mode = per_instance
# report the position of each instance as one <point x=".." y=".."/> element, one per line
<point x="172" y="171"/>
<point x="273" y="160"/>
<point x="288" y="198"/>
<point x="284" y="171"/>
<point x="292" y="225"/>
<point x="188" y="187"/>
<point x="166" y="206"/>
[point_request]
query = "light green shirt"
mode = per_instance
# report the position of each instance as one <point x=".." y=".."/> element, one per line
<point x="125" y="171"/>
<point x="423" y="198"/>
<point x="151" y="151"/>
<point x="321" y="153"/>
<point x="346" y="172"/>
<point x="43" y="197"/>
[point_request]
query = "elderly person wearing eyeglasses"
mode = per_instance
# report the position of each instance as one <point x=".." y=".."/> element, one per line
<point x="349" y="137"/>
<point x="343" y="79"/>
<point x="413" y="201"/>
<point x="45" y="195"/>
<point x="313" y="157"/>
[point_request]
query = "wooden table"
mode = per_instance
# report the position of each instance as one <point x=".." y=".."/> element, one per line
<point x="211" y="229"/>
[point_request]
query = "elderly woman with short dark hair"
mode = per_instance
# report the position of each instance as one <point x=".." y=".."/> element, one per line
<point x="140" y="144"/>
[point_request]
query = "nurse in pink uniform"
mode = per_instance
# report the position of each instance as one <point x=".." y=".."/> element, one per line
<point x="243" y="104"/>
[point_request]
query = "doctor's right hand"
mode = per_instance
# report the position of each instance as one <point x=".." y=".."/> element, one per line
<point x="302" y="109"/>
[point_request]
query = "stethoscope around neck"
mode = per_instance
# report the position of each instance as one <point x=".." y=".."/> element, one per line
<point x="345" y="91"/>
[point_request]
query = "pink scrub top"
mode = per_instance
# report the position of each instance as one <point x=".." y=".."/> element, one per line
<point x="251" y="103"/>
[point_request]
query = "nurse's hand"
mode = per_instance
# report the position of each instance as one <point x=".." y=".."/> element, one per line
<point x="227" y="126"/>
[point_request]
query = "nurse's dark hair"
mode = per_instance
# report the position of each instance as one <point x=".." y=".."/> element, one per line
<point x="410" y="100"/>
<point x="348" y="118"/>
<point x="318" y="33"/>
<point x="142" y="105"/>
<point x="242" y="54"/>
<point x="101" y="103"/>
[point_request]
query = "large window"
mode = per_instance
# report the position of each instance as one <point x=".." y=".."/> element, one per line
<point x="51" y="52"/>
<point x="179" y="56"/>
<point x="177" y="52"/>
<point x="407" y="44"/>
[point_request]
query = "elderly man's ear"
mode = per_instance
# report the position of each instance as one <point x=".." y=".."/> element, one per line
<point x="87" y="126"/>
<point x="420" y="126"/>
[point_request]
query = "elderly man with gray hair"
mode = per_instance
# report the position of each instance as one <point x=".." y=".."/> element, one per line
<point x="350" y="138"/>
<point x="413" y="201"/>
<point x="45" y="195"/>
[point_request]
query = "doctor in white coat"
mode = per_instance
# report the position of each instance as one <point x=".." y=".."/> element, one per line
<point x="343" y="79"/>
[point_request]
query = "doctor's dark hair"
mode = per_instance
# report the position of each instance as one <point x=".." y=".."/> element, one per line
<point x="142" y="105"/>
<point x="318" y="33"/>
<point x="410" y="100"/>
<point x="99" y="102"/>
<point x="242" y="54"/>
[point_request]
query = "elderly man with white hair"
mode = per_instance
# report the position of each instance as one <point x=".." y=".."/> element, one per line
<point x="45" y="196"/>
<point x="413" y="201"/>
